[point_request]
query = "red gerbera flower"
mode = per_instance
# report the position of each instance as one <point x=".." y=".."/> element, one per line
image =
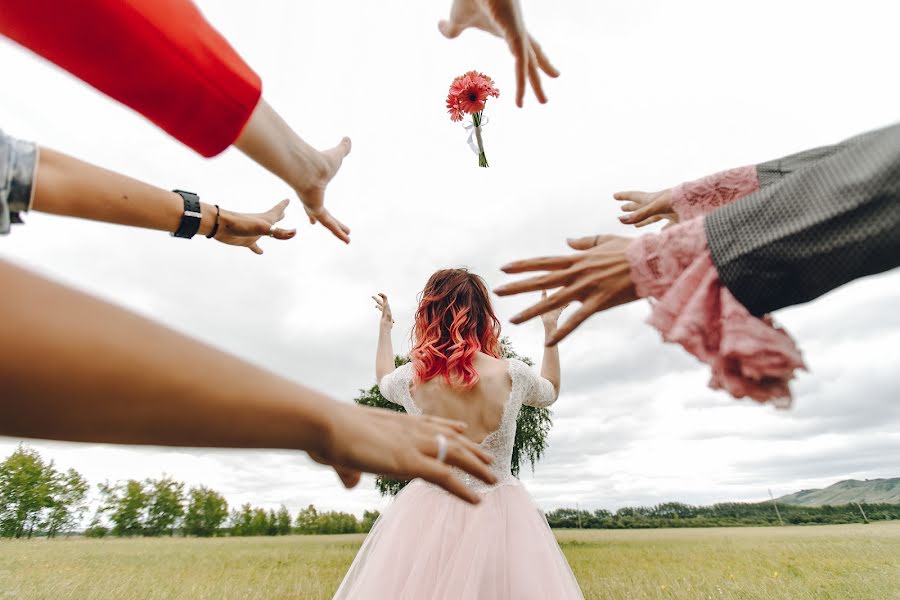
<point x="471" y="91"/>
<point x="453" y="107"/>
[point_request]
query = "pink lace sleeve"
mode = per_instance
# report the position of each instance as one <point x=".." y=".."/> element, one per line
<point x="749" y="357"/>
<point x="704" y="195"/>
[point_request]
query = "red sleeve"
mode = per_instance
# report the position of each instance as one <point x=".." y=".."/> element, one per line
<point x="159" y="57"/>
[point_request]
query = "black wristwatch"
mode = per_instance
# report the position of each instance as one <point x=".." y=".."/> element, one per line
<point x="190" y="220"/>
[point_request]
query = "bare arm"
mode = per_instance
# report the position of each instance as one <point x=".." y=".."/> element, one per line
<point x="75" y="368"/>
<point x="550" y="369"/>
<point x="70" y="187"/>
<point x="384" y="353"/>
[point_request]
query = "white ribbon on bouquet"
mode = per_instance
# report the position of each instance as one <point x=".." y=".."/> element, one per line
<point x="474" y="131"/>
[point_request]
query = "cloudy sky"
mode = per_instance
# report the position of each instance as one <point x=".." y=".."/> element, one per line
<point x="652" y="93"/>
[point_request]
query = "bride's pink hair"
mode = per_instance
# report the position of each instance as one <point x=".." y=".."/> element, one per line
<point x="453" y="322"/>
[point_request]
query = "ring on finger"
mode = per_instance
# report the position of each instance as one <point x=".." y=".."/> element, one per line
<point x="272" y="230"/>
<point x="442" y="447"/>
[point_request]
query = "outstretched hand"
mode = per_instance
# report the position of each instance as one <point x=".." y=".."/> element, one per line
<point x="312" y="194"/>
<point x="503" y="18"/>
<point x="240" y="229"/>
<point x="644" y="208"/>
<point x="400" y="446"/>
<point x="599" y="277"/>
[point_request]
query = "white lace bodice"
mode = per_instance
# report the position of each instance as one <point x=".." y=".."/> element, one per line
<point x="527" y="388"/>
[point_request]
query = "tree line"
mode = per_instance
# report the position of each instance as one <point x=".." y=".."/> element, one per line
<point x="36" y="499"/>
<point x="727" y="514"/>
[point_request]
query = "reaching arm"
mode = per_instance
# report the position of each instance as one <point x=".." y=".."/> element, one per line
<point x="550" y="369"/>
<point x="384" y="353"/>
<point x="52" y="182"/>
<point x="836" y="220"/>
<point x="75" y="368"/>
<point x="702" y="196"/>
<point x="164" y="60"/>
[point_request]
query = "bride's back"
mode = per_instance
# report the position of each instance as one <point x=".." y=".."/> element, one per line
<point x="459" y="373"/>
<point x="481" y="406"/>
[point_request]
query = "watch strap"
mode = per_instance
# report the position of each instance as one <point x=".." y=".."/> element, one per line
<point x="190" y="219"/>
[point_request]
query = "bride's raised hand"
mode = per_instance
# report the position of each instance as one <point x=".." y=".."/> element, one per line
<point x="644" y="208"/>
<point x="550" y="319"/>
<point x="503" y="18"/>
<point x="381" y="303"/>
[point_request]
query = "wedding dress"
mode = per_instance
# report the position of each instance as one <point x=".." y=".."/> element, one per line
<point x="431" y="545"/>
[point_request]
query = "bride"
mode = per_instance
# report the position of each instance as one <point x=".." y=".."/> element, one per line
<point x="428" y="544"/>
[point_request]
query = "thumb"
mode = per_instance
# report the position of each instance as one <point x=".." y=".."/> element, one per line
<point x="584" y="243"/>
<point x="283" y="234"/>
<point x="450" y="29"/>
<point x="343" y="148"/>
<point x="277" y="211"/>
<point x="349" y="478"/>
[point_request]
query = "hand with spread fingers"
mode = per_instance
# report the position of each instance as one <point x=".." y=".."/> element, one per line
<point x="503" y="18"/>
<point x="271" y="142"/>
<point x="644" y="208"/>
<point x="239" y="229"/>
<point x="599" y="277"/>
<point x="400" y="446"/>
<point x="382" y="304"/>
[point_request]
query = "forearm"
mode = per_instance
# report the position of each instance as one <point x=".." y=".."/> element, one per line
<point x="832" y="222"/>
<point x="269" y="140"/>
<point x="67" y="186"/>
<point x="550" y="369"/>
<point x="773" y="171"/>
<point x="702" y="196"/>
<point x="384" y="353"/>
<point x="76" y="368"/>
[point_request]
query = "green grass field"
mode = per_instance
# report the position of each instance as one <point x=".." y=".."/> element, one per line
<point x="843" y="562"/>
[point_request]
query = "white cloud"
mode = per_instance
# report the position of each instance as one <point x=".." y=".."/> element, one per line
<point x="652" y="93"/>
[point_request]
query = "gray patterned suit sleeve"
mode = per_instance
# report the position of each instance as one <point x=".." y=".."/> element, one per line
<point x="18" y="160"/>
<point x="773" y="171"/>
<point x="832" y="220"/>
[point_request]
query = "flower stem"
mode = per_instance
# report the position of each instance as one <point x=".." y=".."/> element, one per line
<point x="476" y="120"/>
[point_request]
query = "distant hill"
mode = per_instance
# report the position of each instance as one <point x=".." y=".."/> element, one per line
<point x="844" y="492"/>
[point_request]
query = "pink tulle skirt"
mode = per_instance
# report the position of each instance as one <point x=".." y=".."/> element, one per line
<point x="430" y="545"/>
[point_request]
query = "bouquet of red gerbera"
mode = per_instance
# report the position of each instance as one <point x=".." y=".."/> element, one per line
<point x="468" y="95"/>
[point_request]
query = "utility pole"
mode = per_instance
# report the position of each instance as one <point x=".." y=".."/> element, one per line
<point x="866" y="519"/>
<point x="775" y="504"/>
<point x="578" y="515"/>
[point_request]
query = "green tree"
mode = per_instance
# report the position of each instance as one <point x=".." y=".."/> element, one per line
<point x="165" y="506"/>
<point x="126" y="503"/>
<point x="307" y="520"/>
<point x="259" y="525"/>
<point x="283" y="521"/>
<point x="532" y="425"/>
<point x="242" y="520"/>
<point x="369" y="518"/>
<point x="25" y="491"/>
<point x="206" y="512"/>
<point x="68" y="495"/>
